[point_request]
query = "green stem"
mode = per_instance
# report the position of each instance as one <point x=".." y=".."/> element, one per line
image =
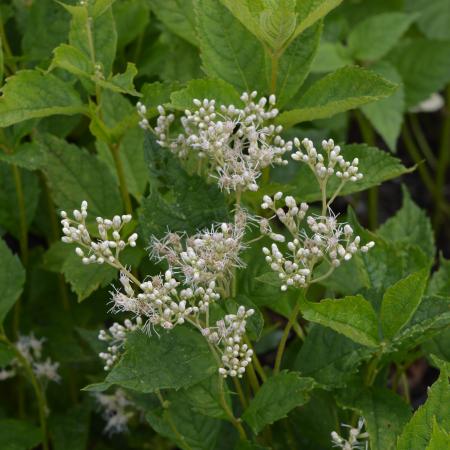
<point x="8" y="53"/>
<point x="422" y="140"/>
<point x="256" y="361"/>
<point x="240" y="393"/>
<point x="443" y="161"/>
<point x="252" y="378"/>
<point x="274" y="58"/>
<point x="405" y="387"/>
<point x="122" y="179"/>
<point x="223" y="401"/>
<point x="40" y="397"/>
<point x="284" y="338"/>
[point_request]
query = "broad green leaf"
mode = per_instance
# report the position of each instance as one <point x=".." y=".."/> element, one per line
<point x="12" y="278"/>
<point x="18" y="435"/>
<point x="376" y="165"/>
<point x="228" y="50"/>
<point x="172" y="360"/>
<point x="126" y="12"/>
<point x="17" y="186"/>
<point x="329" y="357"/>
<point x="277" y="396"/>
<point x="295" y="63"/>
<point x="122" y="82"/>
<point x="353" y="317"/>
<point x="340" y="91"/>
<point x="418" y="431"/>
<point x="310" y="11"/>
<point x="434" y="17"/>
<point x="386" y="115"/>
<point x="7" y="354"/>
<point x="93" y="31"/>
<point x="2" y="71"/>
<point x="219" y="90"/>
<point x="401" y="301"/>
<point x="440" y="438"/>
<point x="372" y="38"/>
<point x="385" y="412"/>
<point x="73" y="60"/>
<point x="193" y="431"/>
<point x="439" y="345"/>
<point x="440" y="280"/>
<point x="178" y="16"/>
<point x="188" y="203"/>
<point x="154" y="94"/>
<point x="31" y="94"/>
<point x="419" y="81"/>
<point x="431" y="318"/>
<point x="410" y="225"/>
<point x="75" y="175"/>
<point x="331" y="56"/>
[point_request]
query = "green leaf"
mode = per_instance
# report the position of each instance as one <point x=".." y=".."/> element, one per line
<point x="122" y="82"/>
<point x="93" y="32"/>
<point x="12" y="279"/>
<point x="434" y="17"/>
<point x="340" y="91"/>
<point x="172" y="360"/>
<point x="410" y="225"/>
<point x="373" y="37"/>
<point x="440" y="438"/>
<point x="7" y="354"/>
<point x="228" y="50"/>
<point x="440" y="280"/>
<point x="154" y="94"/>
<point x="193" y="431"/>
<point x="418" y="431"/>
<point x="178" y="16"/>
<point x="353" y="317"/>
<point x="13" y="181"/>
<point x="277" y="396"/>
<point x="219" y="90"/>
<point x="75" y="175"/>
<point x="310" y="11"/>
<point x="386" y="115"/>
<point x="31" y="94"/>
<point x="188" y="203"/>
<point x="419" y="81"/>
<point x="329" y="357"/>
<point x="73" y="60"/>
<point x="295" y="63"/>
<point x="401" y="301"/>
<point x="125" y="12"/>
<point x="331" y="56"/>
<point x="2" y="68"/>
<point x="385" y="412"/>
<point x="18" y="435"/>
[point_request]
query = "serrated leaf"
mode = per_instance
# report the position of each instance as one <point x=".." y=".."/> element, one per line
<point x="410" y="225"/>
<point x="385" y="413"/>
<point x="211" y="89"/>
<point x="340" y="91"/>
<point x="440" y="280"/>
<point x="375" y="36"/>
<point x="419" y="81"/>
<point x="122" y="82"/>
<point x="351" y="316"/>
<point x="18" y="435"/>
<point x="228" y="50"/>
<point x="172" y="360"/>
<point x="31" y="94"/>
<point x="418" y="431"/>
<point x="178" y="16"/>
<point x="12" y="279"/>
<point x="401" y="301"/>
<point x="75" y="175"/>
<point x="73" y="60"/>
<point x="331" y="56"/>
<point x="295" y="63"/>
<point x="434" y="17"/>
<point x="276" y="397"/>
<point x="440" y="438"/>
<point x="329" y="357"/>
<point x="386" y="115"/>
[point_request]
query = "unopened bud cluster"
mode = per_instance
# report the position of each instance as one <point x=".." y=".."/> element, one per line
<point x="357" y="439"/>
<point x="322" y="238"/>
<point x="228" y="337"/>
<point x="105" y="249"/>
<point x="238" y="142"/>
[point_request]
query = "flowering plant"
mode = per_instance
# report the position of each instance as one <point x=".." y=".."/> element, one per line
<point x="200" y="262"/>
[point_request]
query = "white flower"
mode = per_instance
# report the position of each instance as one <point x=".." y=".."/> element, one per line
<point x="116" y="411"/>
<point x="357" y="440"/>
<point x="47" y="370"/>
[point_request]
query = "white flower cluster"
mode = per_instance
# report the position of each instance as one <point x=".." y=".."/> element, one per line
<point x="116" y="337"/>
<point x="105" y="249"/>
<point x="227" y="336"/>
<point x="142" y="112"/>
<point x="324" y="164"/>
<point x="117" y="411"/>
<point x="324" y="239"/>
<point x="31" y="349"/>
<point x="206" y="256"/>
<point x="357" y="439"/>
<point x="237" y="142"/>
